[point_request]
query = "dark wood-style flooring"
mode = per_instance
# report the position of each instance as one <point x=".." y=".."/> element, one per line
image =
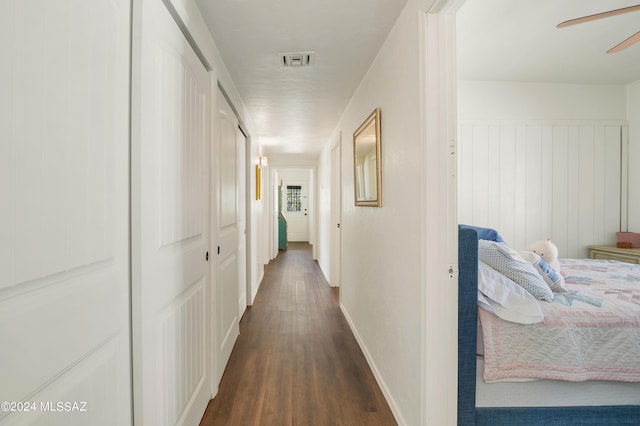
<point x="296" y="361"/>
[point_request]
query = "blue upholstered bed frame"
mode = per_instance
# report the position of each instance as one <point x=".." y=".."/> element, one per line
<point x="468" y="413"/>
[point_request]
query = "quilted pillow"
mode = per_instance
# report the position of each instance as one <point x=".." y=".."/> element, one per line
<point x="505" y="298"/>
<point x="508" y="262"/>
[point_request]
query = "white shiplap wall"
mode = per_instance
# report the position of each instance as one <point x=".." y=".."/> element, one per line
<point x="531" y="180"/>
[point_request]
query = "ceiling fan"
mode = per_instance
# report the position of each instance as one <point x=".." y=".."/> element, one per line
<point x="621" y="46"/>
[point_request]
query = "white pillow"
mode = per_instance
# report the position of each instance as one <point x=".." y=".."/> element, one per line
<point x="505" y="298"/>
<point x="508" y="262"/>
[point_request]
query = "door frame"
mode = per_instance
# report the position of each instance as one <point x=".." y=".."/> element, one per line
<point x="217" y="86"/>
<point x="279" y="166"/>
<point x="243" y="171"/>
<point x="304" y="208"/>
<point x="249" y="212"/>
<point x="214" y="238"/>
<point x="438" y="200"/>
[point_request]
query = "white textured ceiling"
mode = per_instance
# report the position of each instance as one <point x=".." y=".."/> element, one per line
<point x="294" y="111"/>
<point x="518" y="41"/>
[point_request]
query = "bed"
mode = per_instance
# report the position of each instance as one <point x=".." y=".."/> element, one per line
<point x="470" y="412"/>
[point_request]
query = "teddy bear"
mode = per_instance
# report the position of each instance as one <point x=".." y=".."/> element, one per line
<point x="548" y="251"/>
<point x="549" y="269"/>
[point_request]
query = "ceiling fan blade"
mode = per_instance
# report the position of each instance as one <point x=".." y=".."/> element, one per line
<point x="628" y="42"/>
<point x="598" y="16"/>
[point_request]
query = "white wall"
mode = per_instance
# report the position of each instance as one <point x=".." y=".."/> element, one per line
<point x="273" y="213"/>
<point x="633" y="117"/>
<point x="259" y="214"/>
<point x="381" y="266"/>
<point x="491" y="100"/>
<point x="531" y="181"/>
<point x="540" y="160"/>
<point x="263" y="227"/>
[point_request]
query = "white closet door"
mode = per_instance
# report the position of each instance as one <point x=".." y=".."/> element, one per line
<point x="64" y="256"/>
<point x="172" y="98"/>
<point x="231" y="234"/>
<point x="336" y="212"/>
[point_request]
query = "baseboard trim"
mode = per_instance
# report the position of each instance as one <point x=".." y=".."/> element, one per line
<point x="383" y="386"/>
<point x="254" y="292"/>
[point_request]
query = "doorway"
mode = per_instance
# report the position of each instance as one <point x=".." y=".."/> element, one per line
<point x="297" y="203"/>
<point x="296" y="210"/>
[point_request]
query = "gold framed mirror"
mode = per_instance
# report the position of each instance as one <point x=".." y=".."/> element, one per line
<point x="366" y="162"/>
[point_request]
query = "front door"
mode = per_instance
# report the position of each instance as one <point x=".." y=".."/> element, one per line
<point x="170" y="224"/>
<point x="296" y="210"/>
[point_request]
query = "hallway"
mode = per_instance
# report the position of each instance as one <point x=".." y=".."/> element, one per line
<point x="296" y="361"/>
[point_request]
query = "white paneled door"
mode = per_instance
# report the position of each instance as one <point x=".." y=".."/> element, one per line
<point x="64" y="191"/>
<point x="170" y="225"/>
<point x="336" y="212"/>
<point x="231" y="277"/>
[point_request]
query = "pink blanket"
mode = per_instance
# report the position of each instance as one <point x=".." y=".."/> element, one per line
<point x="592" y="332"/>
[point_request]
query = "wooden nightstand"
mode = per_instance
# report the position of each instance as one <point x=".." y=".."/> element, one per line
<point x="631" y="255"/>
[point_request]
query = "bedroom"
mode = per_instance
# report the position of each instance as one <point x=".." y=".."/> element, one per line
<point x="521" y="79"/>
<point x="544" y="116"/>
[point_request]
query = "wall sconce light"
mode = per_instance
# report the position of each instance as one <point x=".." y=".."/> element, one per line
<point x="263" y="161"/>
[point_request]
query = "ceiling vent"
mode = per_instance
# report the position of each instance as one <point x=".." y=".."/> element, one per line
<point x="297" y="60"/>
